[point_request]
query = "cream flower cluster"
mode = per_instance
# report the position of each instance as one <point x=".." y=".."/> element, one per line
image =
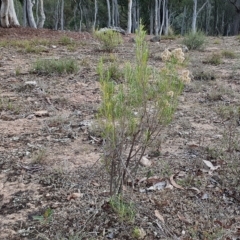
<point x="176" y="53"/>
<point x="166" y="55"/>
<point x="185" y="76"/>
<point x="170" y="94"/>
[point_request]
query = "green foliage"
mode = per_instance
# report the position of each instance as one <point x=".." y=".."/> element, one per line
<point x="134" y="111"/>
<point x="39" y="156"/>
<point x="112" y="72"/>
<point x="7" y="104"/>
<point x="138" y="233"/>
<point x="228" y="54"/>
<point x="18" y="71"/>
<point x="194" y="41"/>
<point x="109" y="39"/>
<point x="65" y="40"/>
<point x="125" y="210"/>
<point x="214" y="59"/>
<point x="58" y="66"/>
<point x="46" y="217"/>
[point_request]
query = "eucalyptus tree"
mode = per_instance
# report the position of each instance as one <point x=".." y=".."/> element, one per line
<point x="109" y="13"/>
<point x="8" y="14"/>
<point x="236" y="20"/>
<point x="9" y="17"/>
<point x="196" y="12"/>
<point x="129" y="21"/>
<point x="40" y="15"/>
<point x="28" y="18"/>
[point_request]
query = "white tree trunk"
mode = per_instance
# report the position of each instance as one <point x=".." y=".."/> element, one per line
<point x="113" y="13"/>
<point x="24" y="13"/>
<point x="116" y="13"/>
<point x="8" y="14"/>
<point x="195" y="14"/>
<point x="129" y="25"/>
<point x="62" y="16"/>
<point x="156" y="26"/>
<point x="42" y="16"/>
<point x="95" y="14"/>
<point x="166" y="30"/>
<point x="194" y="17"/>
<point x="36" y="11"/>
<point x="29" y="13"/>
<point x="81" y="16"/>
<point x="109" y="13"/>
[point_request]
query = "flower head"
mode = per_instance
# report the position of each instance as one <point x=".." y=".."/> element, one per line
<point x="166" y="55"/>
<point x="185" y="78"/>
<point x="170" y="94"/>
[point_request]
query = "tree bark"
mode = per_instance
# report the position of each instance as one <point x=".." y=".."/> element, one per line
<point x="8" y="14"/>
<point x="81" y="16"/>
<point x="56" y="16"/>
<point x="42" y="16"/>
<point x="236" y="23"/>
<point x="195" y="14"/>
<point x="29" y="14"/>
<point x="95" y="14"/>
<point x="62" y="16"/>
<point x="109" y="13"/>
<point x="129" y="25"/>
<point x="236" y="18"/>
<point x="151" y="18"/>
<point x="134" y="17"/>
<point x="183" y="20"/>
<point x="166" y="30"/>
<point x="115" y="14"/>
<point x="163" y="17"/>
<point x="156" y="27"/>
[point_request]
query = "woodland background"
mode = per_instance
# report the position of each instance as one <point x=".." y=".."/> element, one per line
<point x="160" y="17"/>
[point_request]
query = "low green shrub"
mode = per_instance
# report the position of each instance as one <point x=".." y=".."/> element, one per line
<point x="58" y="66"/>
<point x="194" y="41"/>
<point x="109" y="39"/>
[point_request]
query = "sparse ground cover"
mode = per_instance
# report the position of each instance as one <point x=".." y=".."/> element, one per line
<point x="52" y="184"/>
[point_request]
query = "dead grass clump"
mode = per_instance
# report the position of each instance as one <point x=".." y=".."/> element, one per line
<point x="229" y="54"/>
<point x="214" y="59"/>
<point x="26" y="46"/>
<point x="57" y="121"/>
<point x="204" y="76"/>
<point x="39" y="156"/>
<point x="7" y="104"/>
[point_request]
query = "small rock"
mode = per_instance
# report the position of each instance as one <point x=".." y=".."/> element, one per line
<point x="27" y="153"/>
<point x="30" y="116"/>
<point x="42" y="113"/>
<point x="181" y="99"/>
<point x="74" y="196"/>
<point x="155" y="39"/>
<point x="145" y="162"/>
<point x="30" y="83"/>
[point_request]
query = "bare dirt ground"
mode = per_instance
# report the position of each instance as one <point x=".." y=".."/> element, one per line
<point x="52" y="184"/>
